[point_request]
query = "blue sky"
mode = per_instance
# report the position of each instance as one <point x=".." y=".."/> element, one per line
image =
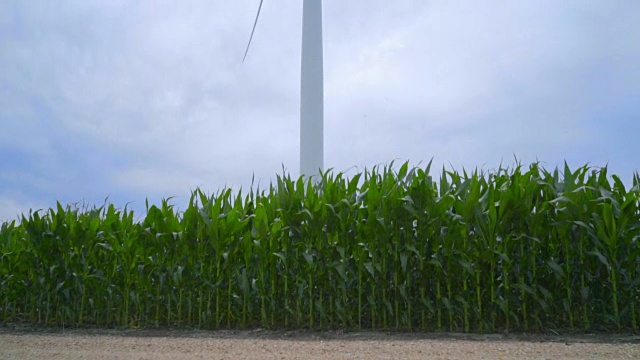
<point x="150" y="99"/>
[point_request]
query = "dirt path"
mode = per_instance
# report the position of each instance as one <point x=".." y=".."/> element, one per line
<point x="258" y="344"/>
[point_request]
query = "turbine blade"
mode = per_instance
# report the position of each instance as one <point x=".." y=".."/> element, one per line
<point x="252" y="31"/>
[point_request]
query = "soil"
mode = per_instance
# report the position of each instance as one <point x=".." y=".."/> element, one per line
<point x="37" y="343"/>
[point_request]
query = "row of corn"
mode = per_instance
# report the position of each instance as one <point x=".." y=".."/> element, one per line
<point x="522" y="249"/>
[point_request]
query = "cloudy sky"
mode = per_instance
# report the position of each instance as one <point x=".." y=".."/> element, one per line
<point x="150" y="99"/>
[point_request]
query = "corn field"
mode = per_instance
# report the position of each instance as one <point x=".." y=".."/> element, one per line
<point x="510" y="250"/>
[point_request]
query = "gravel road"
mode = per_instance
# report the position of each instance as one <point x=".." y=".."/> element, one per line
<point x="261" y="344"/>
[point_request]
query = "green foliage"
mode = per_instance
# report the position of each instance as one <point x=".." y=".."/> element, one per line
<point x="519" y="249"/>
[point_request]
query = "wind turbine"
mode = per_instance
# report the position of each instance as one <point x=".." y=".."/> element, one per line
<point x="311" y="88"/>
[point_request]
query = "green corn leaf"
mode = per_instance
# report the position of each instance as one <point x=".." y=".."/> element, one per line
<point x="403" y="261"/>
<point x="557" y="269"/>
<point x="600" y="257"/>
<point x="369" y="266"/>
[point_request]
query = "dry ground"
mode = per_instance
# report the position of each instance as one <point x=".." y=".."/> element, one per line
<point x="28" y="343"/>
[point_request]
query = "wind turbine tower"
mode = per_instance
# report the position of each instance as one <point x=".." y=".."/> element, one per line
<point x="311" y="88"/>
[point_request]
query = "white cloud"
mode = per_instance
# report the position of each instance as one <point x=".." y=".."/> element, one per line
<point x="153" y="97"/>
<point x="11" y="209"/>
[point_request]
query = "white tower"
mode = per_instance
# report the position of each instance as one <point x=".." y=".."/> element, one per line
<point x="311" y="88"/>
<point x="311" y="91"/>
